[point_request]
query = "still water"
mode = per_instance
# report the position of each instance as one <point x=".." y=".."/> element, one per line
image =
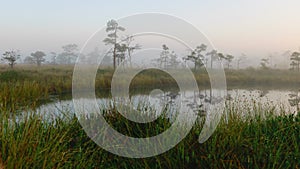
<point x="280" y="100"/>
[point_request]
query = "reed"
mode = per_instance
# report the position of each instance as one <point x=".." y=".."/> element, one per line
<point x="261" y="140"/>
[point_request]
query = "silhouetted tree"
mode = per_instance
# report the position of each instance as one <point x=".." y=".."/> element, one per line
<point x="295" y="58"/>
<point x="213" y="56"/>
<point x="229" y="59"/>
<point x="131" y="48"/>
<point x="11" y="57"/>
<point x="29" y="60"/>
<point x="167" y="58"/>
<point x="38" y="57"/>
<point x="293" y="65"/>
<point x="191" y="57"/>
<point x="69" y="54"/>
<point x="240" y="59"/>
<point x="120" y="53"/>
<point x="164" y="55"/>
<point x="173" y="62"/>
<point x="53" y="58"/>
<point x="112" y="39"/>
<point x="264" y="63"/>
<point x="91" y="57"/>
<point x="196" y="56"/>
<point x="221" y="56"/>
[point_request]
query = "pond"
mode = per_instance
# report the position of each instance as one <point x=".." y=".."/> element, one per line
<point x="200" y="102"/>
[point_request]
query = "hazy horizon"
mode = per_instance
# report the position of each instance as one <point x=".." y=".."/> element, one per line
<point x="255" y="28"/>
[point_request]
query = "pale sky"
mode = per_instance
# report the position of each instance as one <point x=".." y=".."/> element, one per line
<point x="253" y="27"/>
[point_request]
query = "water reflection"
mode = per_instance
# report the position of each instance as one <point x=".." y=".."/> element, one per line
<point x="294" y="99"/>
<point x="171" y="101"/>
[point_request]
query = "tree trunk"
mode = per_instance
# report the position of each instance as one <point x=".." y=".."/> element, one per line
<point x="114" y="57"/>
<point x="129" y="57"/>
<point x="115" y="48"/>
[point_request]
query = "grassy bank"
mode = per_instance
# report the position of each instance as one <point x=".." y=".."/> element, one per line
<point x="57" y="79"/>
<point x="262" y="140"/>
<point x="31" y="85"/>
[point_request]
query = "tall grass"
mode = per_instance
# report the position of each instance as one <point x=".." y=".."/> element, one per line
<point x="58" y="79"/>
<point x="15" y="96"/>
<point x="261" y="140"/>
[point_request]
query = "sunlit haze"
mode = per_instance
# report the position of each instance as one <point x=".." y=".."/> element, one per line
<point x="256" y="28"/>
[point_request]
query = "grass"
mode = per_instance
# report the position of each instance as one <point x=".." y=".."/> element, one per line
<point x="260" y="140"/>
<point x="15" y="96"/>
<point x="57" y="79"/>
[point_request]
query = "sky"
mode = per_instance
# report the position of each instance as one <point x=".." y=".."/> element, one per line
<point x="254" y="27"/>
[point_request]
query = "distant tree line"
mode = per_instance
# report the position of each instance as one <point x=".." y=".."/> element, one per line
<point x="294" y="58"/>
<point x="67" y="56"/>
<point x="198" y="57"/>
<point x="123" y="48"/>
<point x="121" y="53"/>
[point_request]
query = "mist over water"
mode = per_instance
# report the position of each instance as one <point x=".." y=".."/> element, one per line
<point x="281" y="100"/>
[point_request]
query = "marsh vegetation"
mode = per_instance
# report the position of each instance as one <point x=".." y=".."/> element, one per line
<point x="267" y="137"/>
